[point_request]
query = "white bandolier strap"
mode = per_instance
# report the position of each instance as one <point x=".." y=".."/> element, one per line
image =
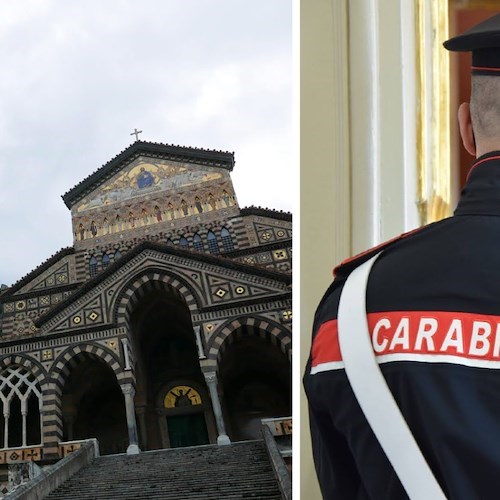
<point x="373" y="394"/>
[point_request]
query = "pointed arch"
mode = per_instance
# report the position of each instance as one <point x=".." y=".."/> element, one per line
<point x="92" y="266"/>
<point x="227" y="240"/>
<point x="198" y="243"/>
<point x="213" y="245"/>
<point x="105" y="261"/>
<point x="31" y="364"/>
<point x="21" y="402"/>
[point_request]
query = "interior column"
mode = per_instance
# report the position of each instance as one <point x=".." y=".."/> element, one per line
<point x="211" y="379"/>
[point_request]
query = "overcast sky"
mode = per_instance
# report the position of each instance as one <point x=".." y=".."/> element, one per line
<point x="78" y="76"/>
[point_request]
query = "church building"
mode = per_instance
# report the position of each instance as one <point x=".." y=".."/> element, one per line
<point x="166" y="324"/>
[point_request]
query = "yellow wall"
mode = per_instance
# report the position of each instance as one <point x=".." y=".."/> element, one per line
<point x="324" y="180"/>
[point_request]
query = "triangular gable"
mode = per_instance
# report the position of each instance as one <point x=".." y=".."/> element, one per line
<point x="182" y="154"/>
<point x="147" y="176"/>
<point x="219" y="282"/>
<point x="55" y="271"/>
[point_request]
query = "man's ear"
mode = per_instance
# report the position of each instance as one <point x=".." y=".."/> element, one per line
<point x="466" y="131"/>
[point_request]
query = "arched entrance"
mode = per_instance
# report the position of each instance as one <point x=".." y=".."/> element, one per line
<point x="186" y="409"/>
<point x="172" y="404"/>
<point x="93" y="405"/>
<point x="256" y="378"/>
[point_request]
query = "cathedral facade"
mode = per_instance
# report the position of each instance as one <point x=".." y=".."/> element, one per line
<point x="166" y="324"/>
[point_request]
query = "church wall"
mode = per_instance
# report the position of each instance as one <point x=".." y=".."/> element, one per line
<point x="241" y="239"/>
<point x="165" y="228"/>
<point x="170" y="237"/>
<point x="81" y="266"/>
<point x="276" y="256"/>
<point x="60" y="273"/>
<point x="263" y="240"/>
<point x="150" y="196"/>
<point x="264" y="230"/>
<point x="73" y="312"/>
<point x="56" y="354"/>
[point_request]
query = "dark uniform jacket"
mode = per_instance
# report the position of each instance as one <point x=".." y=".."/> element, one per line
<point x="433" y="304"/>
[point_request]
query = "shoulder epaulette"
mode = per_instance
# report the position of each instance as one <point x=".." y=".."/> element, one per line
<point x="352" y="262"/>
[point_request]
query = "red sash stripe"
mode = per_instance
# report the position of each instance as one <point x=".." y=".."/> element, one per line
<point x="431" y="336"/>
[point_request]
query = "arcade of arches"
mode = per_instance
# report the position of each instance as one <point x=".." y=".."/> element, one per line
<point x="131" y="337"/>
<point x="173" y="399"/>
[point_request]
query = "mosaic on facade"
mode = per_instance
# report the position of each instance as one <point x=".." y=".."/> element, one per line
<point x="172" y="320"/>
<point x="146" y="176"/>
<point x="182" y="395"/>
<point x="150" y="192"/>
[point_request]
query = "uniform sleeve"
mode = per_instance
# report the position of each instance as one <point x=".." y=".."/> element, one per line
<point x="335" y="467"/>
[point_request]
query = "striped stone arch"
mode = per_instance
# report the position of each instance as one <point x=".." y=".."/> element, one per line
<point x="142" y="284"/>
<point x="265" y="328"/>
<point x="31" y="364"/>
<point x="75" y="355"/>
<point x="64" y="363"/>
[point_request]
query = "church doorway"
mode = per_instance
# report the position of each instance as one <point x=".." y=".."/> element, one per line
<point x="187" y="430"/>
<point x="94" y="407"/>
<point x="171" y="399"/>
<point x="186" y="411"/>
<point x="256" y="378"/>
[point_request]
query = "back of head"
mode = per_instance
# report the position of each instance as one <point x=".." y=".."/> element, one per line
<point x="485" y="107"/>
<point x="483" y="40"/>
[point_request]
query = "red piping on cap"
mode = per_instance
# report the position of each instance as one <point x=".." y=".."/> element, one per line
<point x="479" y="68"/>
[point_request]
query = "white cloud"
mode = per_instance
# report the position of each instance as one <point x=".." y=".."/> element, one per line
<point x="77" y="77"/>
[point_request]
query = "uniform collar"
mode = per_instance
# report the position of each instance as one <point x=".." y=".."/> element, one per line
<point x="481" y="193"/>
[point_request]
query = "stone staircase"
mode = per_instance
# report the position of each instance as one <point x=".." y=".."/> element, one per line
<point x="236" y="471"/>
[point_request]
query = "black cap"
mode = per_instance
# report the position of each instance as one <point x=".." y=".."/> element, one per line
<point x="483" y="40"/>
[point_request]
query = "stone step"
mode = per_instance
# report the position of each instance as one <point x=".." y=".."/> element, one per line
<point x="236" y="471"/>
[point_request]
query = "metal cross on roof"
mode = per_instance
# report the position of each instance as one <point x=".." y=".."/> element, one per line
<point x="136" y="133"/>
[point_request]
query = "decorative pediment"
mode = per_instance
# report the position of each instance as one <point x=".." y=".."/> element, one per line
<point x="210" y="284"/>
<point x="149" y="195"/>
<point x="146" y="177"/>
<point x="58" y="276"/>
<point x="60" y="273"/>
<point x="88" y="314"/>
<point x="226" y="289"/>
<point x="138" y="149"/>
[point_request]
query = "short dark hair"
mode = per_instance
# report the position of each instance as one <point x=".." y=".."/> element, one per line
<point x="485" y="106"/>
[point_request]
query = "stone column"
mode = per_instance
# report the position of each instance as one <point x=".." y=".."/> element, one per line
<point x="199" y="343"/>
<point x="126" y="354"/>
<point x="6" y="412"/>
<point x="51" y="419"/>
<point x="129" y="393"/>
<point x="211" y="379"/>
<point x="24" y="413"/>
